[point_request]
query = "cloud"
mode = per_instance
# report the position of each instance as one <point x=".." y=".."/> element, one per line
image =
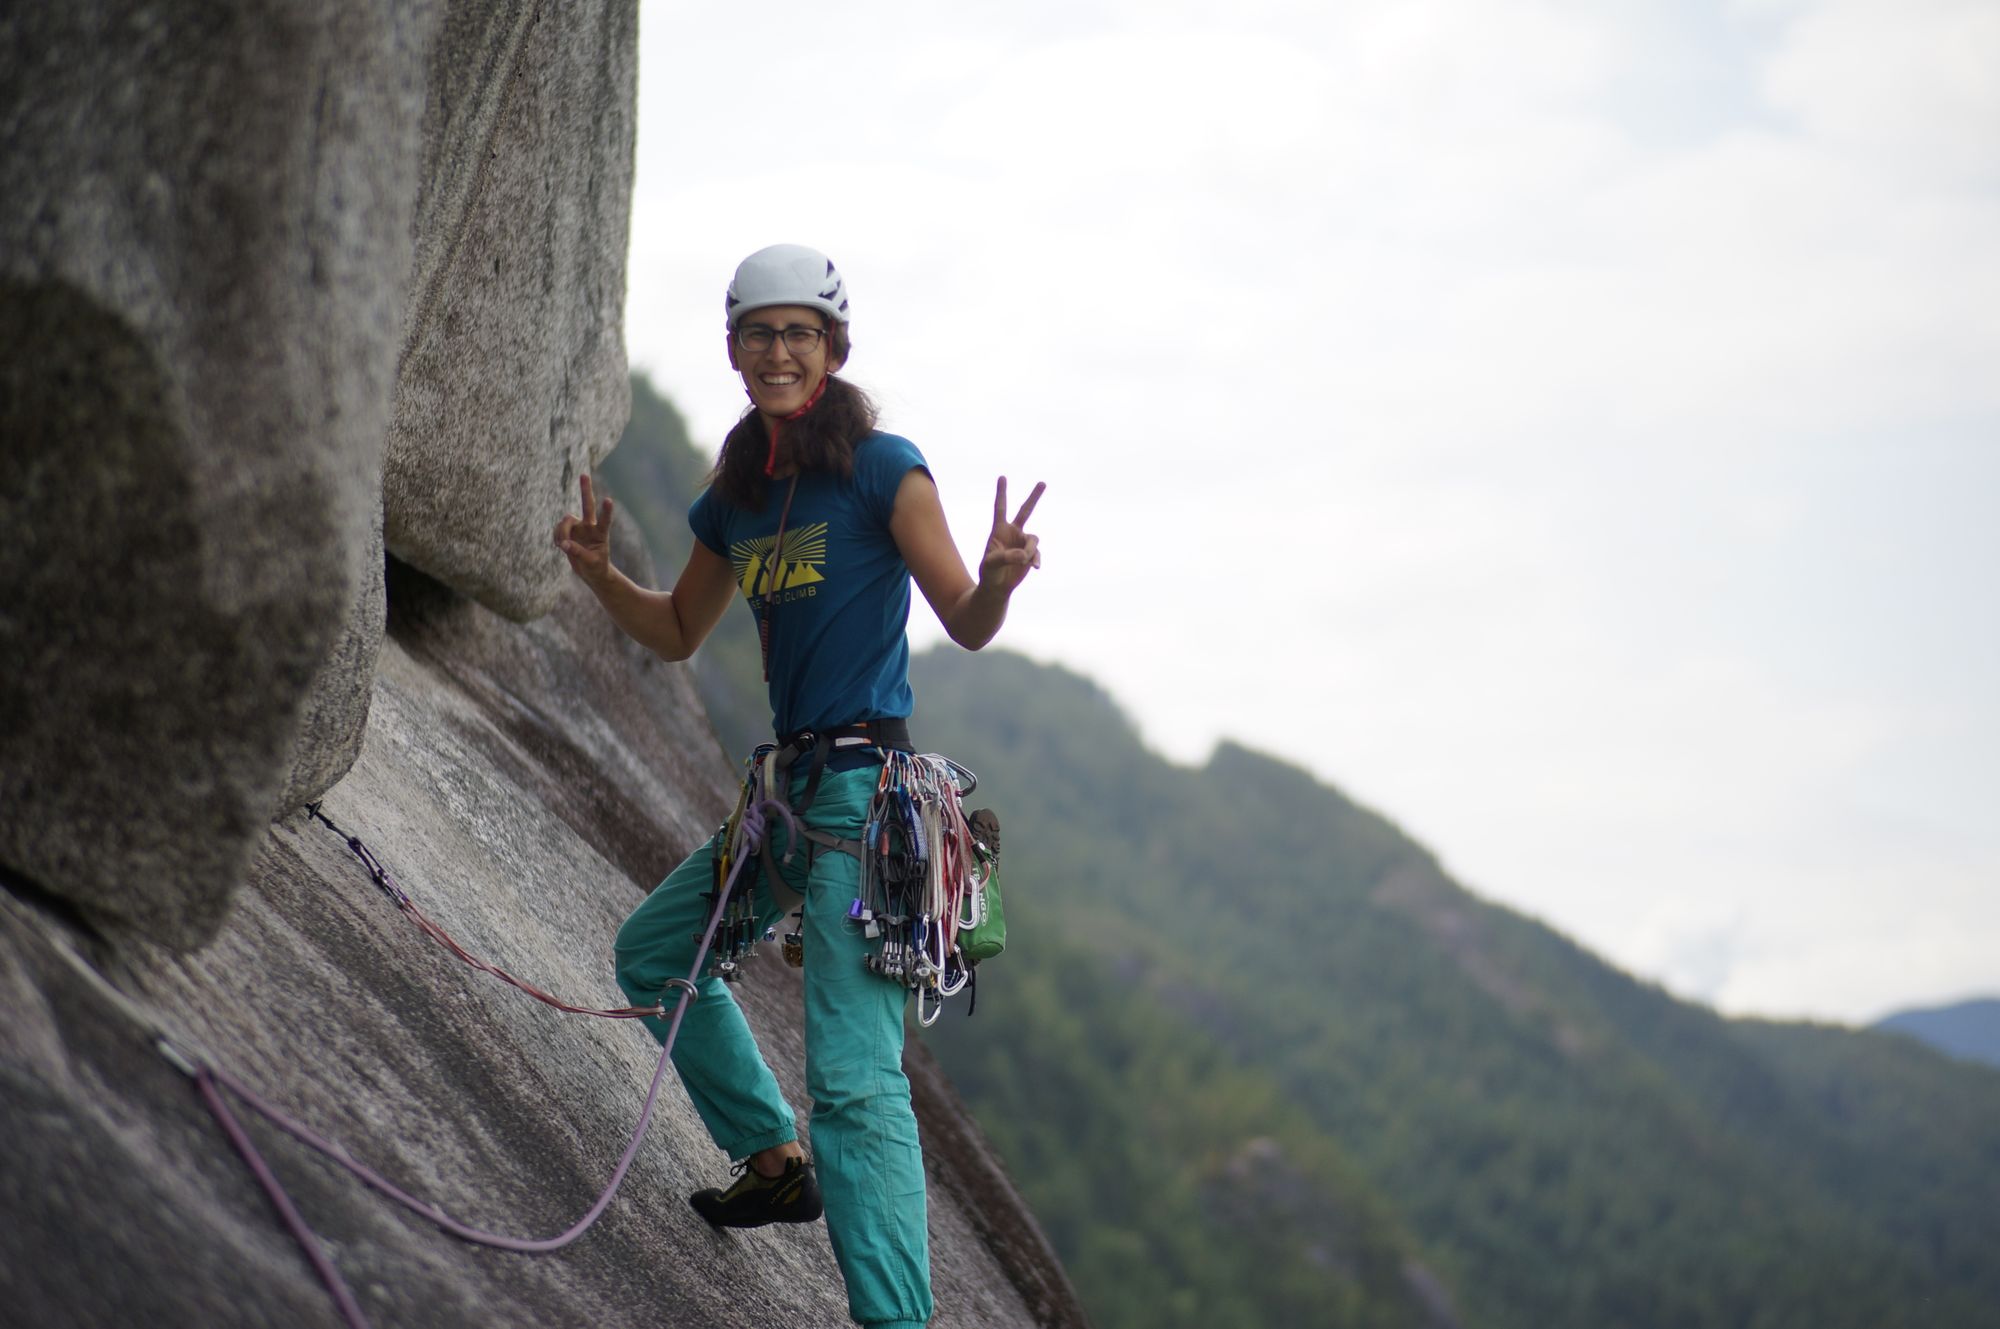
<point x="1910" y="83"/>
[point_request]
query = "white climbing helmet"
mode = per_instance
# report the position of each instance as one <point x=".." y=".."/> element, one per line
<point x="786" y="275"/>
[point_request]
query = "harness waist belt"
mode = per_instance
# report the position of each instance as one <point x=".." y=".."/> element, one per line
<point x="888" y="733"/>
<point x="815" y="746"/>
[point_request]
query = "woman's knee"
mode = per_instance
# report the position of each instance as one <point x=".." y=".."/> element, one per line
<point x="880" y="1109"/>
<point x="855" y="1068"/>
<point x="632" y="934"/>
<point x="649" y="948"/>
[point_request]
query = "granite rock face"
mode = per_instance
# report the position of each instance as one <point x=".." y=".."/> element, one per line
<point x="248" y="252"/>
<point x="335" y="713"/>
<point x="513" y="378"/>
<point x="245" y="253"/>
<point x="204" y="243"/>
<point x="524" y="785"/>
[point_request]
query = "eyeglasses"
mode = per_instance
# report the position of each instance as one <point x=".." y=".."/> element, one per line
<point x="799" y="340"/>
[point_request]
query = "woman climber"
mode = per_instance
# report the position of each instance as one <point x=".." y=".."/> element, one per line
<point x="822" y="521"/>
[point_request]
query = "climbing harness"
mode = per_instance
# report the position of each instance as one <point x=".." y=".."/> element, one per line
<point x="209" y="1079"/>
<point x="929" y="892"/>
<point x="766" y="784"/>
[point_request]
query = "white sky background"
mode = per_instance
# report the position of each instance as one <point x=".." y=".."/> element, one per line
<point x="1571" y="428"/>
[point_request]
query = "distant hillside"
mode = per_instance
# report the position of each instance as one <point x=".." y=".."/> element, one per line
<point x="1968" y="1030"/>
<point x="1255" y="1059"/>
<point x="1565" y="1145"/>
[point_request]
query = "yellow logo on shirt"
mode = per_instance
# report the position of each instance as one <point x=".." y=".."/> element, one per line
<point x="761" y="572"/>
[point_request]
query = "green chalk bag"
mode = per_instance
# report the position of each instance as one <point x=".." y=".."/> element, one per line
<point x="990" y="937"/>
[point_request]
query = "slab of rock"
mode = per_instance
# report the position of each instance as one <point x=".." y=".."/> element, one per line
<point x="513" y="376"/>
<point x="524" y="785"/>
<point x="205" y="223"/>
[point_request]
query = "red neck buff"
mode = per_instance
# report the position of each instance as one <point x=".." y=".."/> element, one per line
<point x="771" y="460"/>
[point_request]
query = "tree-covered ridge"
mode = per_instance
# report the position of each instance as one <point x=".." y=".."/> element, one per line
<point x="1256" y="1060"/>
<point x="1567" y="1145"/>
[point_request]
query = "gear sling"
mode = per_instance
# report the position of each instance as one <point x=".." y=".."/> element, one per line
<point x="929" y="894"/>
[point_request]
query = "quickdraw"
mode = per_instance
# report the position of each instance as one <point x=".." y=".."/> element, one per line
<point x="739" y="838"/>
<point x="922" y="878"/>
<point x="386" y="883"/>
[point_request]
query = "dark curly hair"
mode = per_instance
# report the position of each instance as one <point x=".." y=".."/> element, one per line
<point x="822" y="439"/>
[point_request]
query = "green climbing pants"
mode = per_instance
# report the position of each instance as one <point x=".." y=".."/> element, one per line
<point x="864" y="1133"/>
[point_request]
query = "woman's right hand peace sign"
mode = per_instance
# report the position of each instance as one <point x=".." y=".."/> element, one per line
<point x="587" y="543"/>
<point x="1011" y="553"/>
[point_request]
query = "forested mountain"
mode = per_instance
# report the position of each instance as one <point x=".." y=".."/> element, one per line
<point x="1256" y="1060"/>
<point x="1566" y="1146"/>
<point x="1967" y="1029"/>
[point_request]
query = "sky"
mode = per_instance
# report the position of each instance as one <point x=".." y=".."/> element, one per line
<point x="1570" y="428"/>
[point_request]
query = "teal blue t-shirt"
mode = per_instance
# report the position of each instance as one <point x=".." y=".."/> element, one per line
<point x="837" y="596"/>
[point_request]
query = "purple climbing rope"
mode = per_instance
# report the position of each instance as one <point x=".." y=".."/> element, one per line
<point x="207" y="1077"/>
<point x="350" y="1309"/>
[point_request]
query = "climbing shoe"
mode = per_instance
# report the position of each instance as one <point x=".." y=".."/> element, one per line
<point x="754" y="1199"/>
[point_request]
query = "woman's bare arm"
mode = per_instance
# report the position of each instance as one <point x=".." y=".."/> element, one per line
<point x="971" y="611"/>
<point x="670" y="624"/>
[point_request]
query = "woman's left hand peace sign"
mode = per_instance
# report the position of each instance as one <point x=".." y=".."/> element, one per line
<point x="1011" y="553"/>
